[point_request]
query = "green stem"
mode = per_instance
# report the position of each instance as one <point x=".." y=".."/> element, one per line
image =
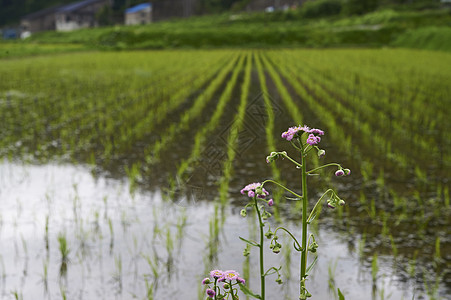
<point x="262" y="268"/>
<point x="285" y="188"/>
<point x="309" y="219"/>
<point x="304" y="225"/>
<point x="319" y="168"/>
<point x="297" y="246"/>
<point x="292" y="160"/>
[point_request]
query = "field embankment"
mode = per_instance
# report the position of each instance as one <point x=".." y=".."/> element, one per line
<point x="385" y="28"/>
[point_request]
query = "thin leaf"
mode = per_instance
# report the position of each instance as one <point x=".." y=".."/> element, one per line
<point x="340" y="295"/>
<point x="252" y="243"/>
<point x="293" y="199"/>
<point x="248" y="292"/>
<point x="311" y="265"/>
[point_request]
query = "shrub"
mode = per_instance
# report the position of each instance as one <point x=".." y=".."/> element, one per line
<point x="321" y="8"/>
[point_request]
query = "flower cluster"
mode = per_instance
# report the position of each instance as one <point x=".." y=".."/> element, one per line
<point x="253" y="189"/>
<point x="312" y="139"/>
<point x="229" y="277"/>
<point x="334" y="201"/>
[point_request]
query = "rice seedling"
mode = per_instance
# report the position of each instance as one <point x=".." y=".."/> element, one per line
<point x="331" y="268"/>
<point x="64" y="252"/>
<point x="17" y="295"/>
<point x="374" y="268"/>
<point x="149" y="290"/>
<point x="117" y="276"/>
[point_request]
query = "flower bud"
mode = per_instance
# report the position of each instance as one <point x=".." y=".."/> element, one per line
<point x="313" y="247"/>
<point x="211" y="293"/>
<point x="226" y="286"/>
<point x="321" y="153"/>
<point x="206" y="281"/>
<point x="330" y="204"/>
<point x="259" y="190"/>
<point x="270" y="202"/>
<point x="347" y="172"/>
<point x="268" y="159"/>
<point x="243" y="212"/>
<point x="269" y="234"/>
<point x="339" y="173"/>
<point x="279" y="280"/>
<point x="341" y="202"/>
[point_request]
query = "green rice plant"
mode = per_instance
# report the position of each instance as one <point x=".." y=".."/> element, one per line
<point x="331" y="268"/>
<point x="214" y="230"/>
<point x="374" y="268"/>
<point x="64" y="252"/>
<point x="63" y="247"/>
<point x="154" y="267"/>
<point x="110" y="226"/>
<point x="169" y="243"/>
<point x="446" y="196"/>
<point x="394" y="249"/>
<point x="432" y="288"/>
<point x="181" y="224"/>
<point x="17" y="295"/>
<point x="45" y="275"/>
<point x="413" y="264"/>
<point x="149" y="290"/>
<point x="437" y="254"/>
<point x="46" y="233"/>
<point x="63" y="292"/>
<point x="362" y="244"/>
<point x="117" y="276"/>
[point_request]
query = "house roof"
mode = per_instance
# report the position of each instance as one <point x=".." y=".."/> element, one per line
<point x="59" y="8"/>
<point x="41" y="13"/>
<point x="137" y="8"/>
<point x="76" y="5"/>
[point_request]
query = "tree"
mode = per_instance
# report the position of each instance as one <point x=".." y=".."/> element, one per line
<point x="358" y="7"/>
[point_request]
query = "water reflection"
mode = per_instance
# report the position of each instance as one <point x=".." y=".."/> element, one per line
<point x="91" y="239"/>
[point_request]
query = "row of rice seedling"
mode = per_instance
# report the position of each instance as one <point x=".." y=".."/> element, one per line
<point x="382" y="122"/>
<point x="235" y="128"/>
<point x="372" y="105"/>
<point x="76" y="118"/>
<point x="201" y="135"/>
<point x="269" y="128"/>
<point x="172" y="131"/>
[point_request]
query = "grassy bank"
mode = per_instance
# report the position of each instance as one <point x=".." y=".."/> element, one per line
<point x="410" y="29"/>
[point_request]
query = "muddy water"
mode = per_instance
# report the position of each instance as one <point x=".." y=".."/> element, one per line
<point x="112" y="234"/>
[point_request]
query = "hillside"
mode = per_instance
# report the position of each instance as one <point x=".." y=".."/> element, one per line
<point x="284" y="29"/>
<point x="424" y="29"/>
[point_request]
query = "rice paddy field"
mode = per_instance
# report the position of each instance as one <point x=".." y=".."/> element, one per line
<point x="120" y="172"/>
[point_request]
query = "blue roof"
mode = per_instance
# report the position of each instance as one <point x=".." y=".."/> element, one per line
<point x="137" y="8"/>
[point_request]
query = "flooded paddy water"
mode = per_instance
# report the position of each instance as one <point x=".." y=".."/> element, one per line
<point x="115" y="189"/>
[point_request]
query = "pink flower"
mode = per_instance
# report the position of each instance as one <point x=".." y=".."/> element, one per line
<point x="312" y="140"/>
<point x="270" y="202"/>
<point x="231" y="275"/>
<point x="216" y="274"/>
